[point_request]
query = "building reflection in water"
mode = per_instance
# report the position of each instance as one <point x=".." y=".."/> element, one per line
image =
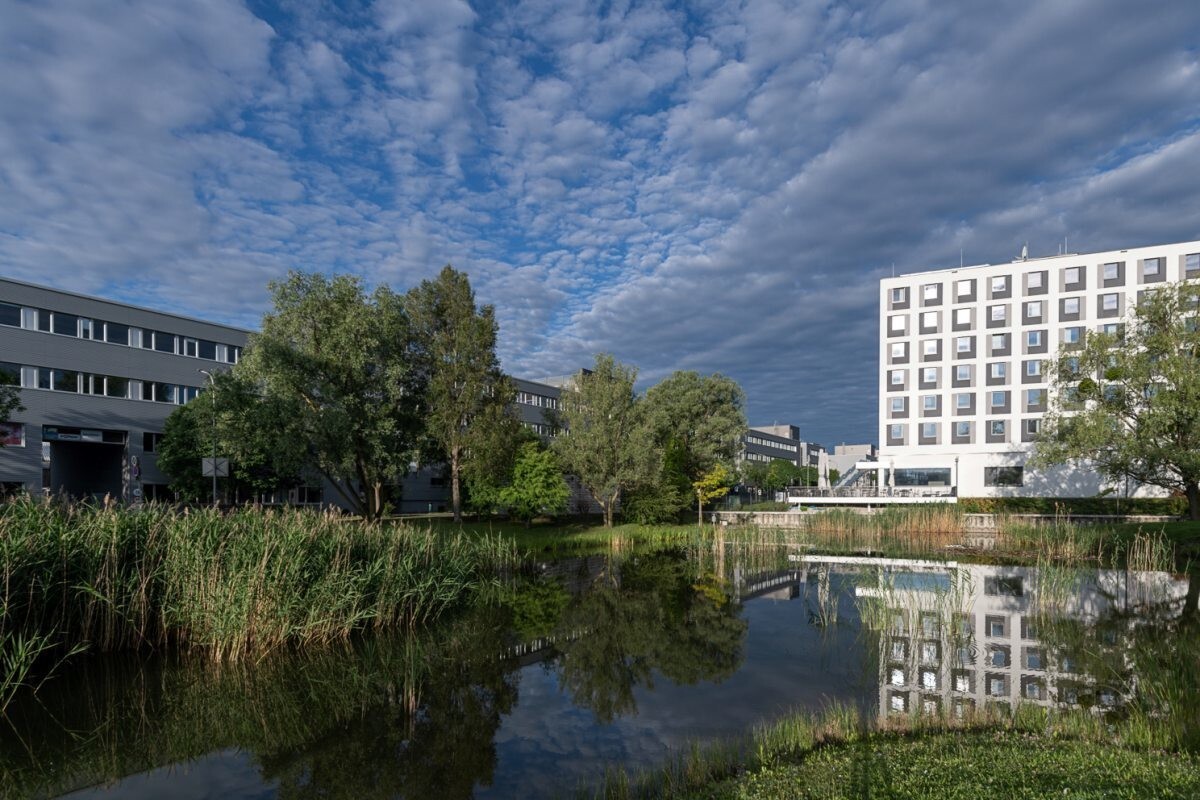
<point x="956" y="638"/>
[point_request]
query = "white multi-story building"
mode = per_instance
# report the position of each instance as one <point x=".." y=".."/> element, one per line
<point x="965" y="355"/>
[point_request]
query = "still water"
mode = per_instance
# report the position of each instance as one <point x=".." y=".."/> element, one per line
<point x="585" y="664"/>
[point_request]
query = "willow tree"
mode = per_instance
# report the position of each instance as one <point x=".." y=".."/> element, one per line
<point x="341" y="361"/>
<point x="605" y="441"/>
<point x="1129" y="402"/>
<point x="466" y="394"/>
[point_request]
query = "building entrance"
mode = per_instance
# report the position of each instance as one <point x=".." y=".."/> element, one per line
<point x="86" y="463"/>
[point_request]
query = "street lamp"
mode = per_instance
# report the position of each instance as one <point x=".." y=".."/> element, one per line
<point x="213" y="383"/>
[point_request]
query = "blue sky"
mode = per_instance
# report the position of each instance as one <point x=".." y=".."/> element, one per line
<point x="714" y="186"/>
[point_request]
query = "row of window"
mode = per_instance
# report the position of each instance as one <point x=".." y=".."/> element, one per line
<point x="995" y="431"/>
<point x="963" y="375"/>
<point x="1033" y="312"/>
<point x="999" y="401"/>
<point x="537" y="400"/>
<point x="1110" y="274"/>
<point x="76" y="382"/>
<point x="998" y="344"/>
<point x="100" y="330"/>
<point x="761" y="442"/>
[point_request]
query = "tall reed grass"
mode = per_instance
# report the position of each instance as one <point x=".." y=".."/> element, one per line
<point x="225" y="585"/>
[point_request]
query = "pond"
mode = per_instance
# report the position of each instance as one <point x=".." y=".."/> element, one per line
<point x="589" y="663"/>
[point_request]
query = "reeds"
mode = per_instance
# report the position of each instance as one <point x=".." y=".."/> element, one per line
<point x="226" y="585"/>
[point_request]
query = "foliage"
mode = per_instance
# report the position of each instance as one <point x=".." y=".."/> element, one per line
<point x="495" y="444"/>
<point x="700" y="418"/>
<point x="605" y="441"/>
<point x="10" y="398"/>
<point x="712" y="485"/>
<point x="342" y="365"/>
<point x="252" y="431"/>
<point x="1061" y="506"/>
<point x="465" y="391"/>
<point x="1129" y="402"/>
<point x="834" y="476"/>
<point x="225" y="585"/>
<point x="537" y="485"/>
<point x="662" y="498"/>
<point x="782" y="473"/>
<point x="754" y="474"/>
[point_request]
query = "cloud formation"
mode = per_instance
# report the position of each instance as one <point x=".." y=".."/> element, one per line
<point x="715" y="187"/>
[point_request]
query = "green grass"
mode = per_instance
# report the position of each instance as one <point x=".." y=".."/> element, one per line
<point x="227" y="586"/>
<point x="1006" y="764"/>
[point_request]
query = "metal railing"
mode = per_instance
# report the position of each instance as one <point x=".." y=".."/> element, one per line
<point x="872" y="491"/>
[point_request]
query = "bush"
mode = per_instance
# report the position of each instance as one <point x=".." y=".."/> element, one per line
<point x="1062" y="506"/>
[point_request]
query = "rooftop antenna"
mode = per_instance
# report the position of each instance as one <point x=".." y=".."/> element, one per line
<point x="1025" y="252"/>
<point x="960" y="257"/>
<point x="893" y="269"/>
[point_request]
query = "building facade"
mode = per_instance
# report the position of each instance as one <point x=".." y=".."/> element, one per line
<point x="98" y="380"/>
<point x="964" y="356"/>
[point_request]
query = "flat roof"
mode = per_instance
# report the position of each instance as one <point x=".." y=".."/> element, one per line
<point x="108" y="301"/>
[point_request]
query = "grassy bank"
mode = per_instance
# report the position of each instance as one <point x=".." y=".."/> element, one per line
<point x="225" y="585"/>
<point x="1032" y="753"/>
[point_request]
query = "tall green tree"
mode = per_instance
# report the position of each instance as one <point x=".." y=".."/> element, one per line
<point x="496" y="440"/>
<point x="460" y="371"/>
<point x="343" y="362"/>
<point x="606" y="442"/>
<point x="1129" y="402"/>
<point x="702" y="416"/>
<point x="537" y="485"/>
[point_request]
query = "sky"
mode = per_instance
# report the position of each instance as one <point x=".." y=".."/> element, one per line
<point x="709" y="186"/>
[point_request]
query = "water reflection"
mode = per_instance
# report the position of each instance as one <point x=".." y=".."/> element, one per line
<point x="587" y="662"/>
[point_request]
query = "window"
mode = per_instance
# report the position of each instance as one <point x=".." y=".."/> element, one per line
<point x="899" y="295"/>
<point x="998" y="370"/>
<point x="930" y="291"/>
<point x="115" y="387"/>
<point x="1035" y="280"/>
<point x="896" y="377"/>
<point x="1070" y="305"/>
<point x="207" y="350"/>
<point x="963" y="344"/>
<point x="1191" y="262"/>
<point x="929" y="347"/>
<point x="929" y="375"/>
<point x="1035" y="397"/>
<point x="896" y="432"/>
<point x="1033" y="368"/>
<point x="929" y="319"/>
<point x="1108" y="302"/>
<point x="1033" y="338"/>
<point x="1003" y="476"/>
<point x="232" y="354"/>
<point x="967" y="288"/>
<point x="962" y="372"/>
<point x="190" y="347"/>
<point x="897" y="404"/>
<point x="1071" y="275"/>
<point x="899" y="349"/>
<point x="1072" y="335"/>
<point x="928" y="430"/>
<point x="1112" y="272"/>
<point x="962" y="316"/>
<point x="10" y="315"/>
<point x="116" y="334"/>
<point x="999" y="341"/>
<point x="997" y="427"/>
<point x="929" y="402"/>
<point x="962" y="400"/>
<point x="10" y="373"/>
<point x="150" y="441"/>
<point x="1152" y="267"/>
<point x="1033" y="426"/>
<point x="999" y="399"/>
<point x="1033" y="308"/>
<point x="962" y="429"/>
<point x="58" y="380"/>
<point x="1000" y="284"/>
<point x="999" y="313"/>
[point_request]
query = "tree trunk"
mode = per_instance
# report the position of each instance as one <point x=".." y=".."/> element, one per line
<point x="1192" y="601"/>
<point x="1193" y="495"/>
<point x="699" y="511"/>
<point x="455" y="494"/>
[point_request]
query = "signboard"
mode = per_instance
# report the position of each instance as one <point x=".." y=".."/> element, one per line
<point x="220" y="469"/>
<point x="12" y="434"/>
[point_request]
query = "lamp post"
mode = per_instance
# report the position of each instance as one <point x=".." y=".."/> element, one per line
<point x="213" y="383"/>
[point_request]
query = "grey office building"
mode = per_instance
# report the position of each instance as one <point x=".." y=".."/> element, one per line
<point x="98" y="379"/>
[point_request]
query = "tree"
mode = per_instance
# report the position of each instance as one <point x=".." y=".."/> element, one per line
<point x="606" y="443"/>
<point x="1129" y="402"/>
<point x="702" y="416"/>
<point x="712" y="485"/>
<point x="460" y="371"/>
<point x="537" y="485"/>
<point x="342" y="362"/>
<point x="495" y="442"/>
<point x="254" y="432"/>
<point x="783" y="473"/>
